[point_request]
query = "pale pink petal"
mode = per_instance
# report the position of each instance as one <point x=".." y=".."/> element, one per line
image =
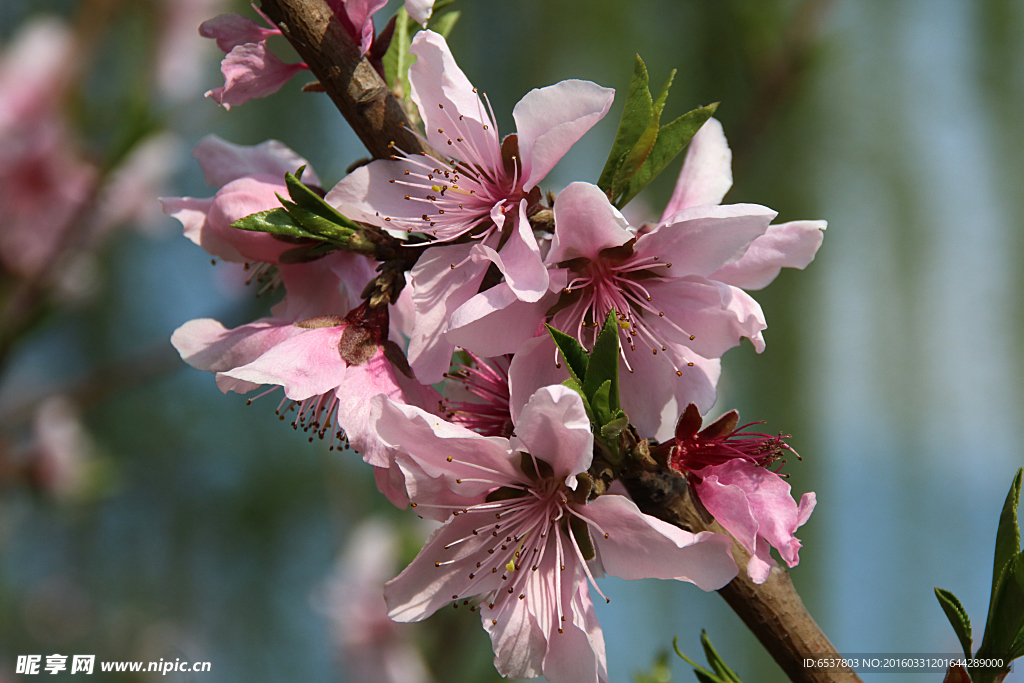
<point x="728" y="504"/>
<point x="702" y="239"/>
<point x="639" y="546"/>
<point x="585" y="223"/>
<point x="34" y="70"/>
<point x="787" y="245"/>
<point x="223" y="161"/>
<point x="441" y="91"/>
<point x="550" y="120"/>
<point x="192" y="211"/>
<point x="251" y="71"/>
<point x="360" y="16"/>
<point x="770" y="503"/>
<point x="442" y="449"/>
<point x="519" y="259"/>
<point x="496" y="321"/>
<point x="206" y="344"/>
<point x="518" y="642"/>
<point x="707" y="171"/>
<point x="236" y="200"/>
<point x="416" y="485"/>
<point x="330" y="285"/>
<point x="654" y="396"/>
<point x="232" y="30"/>
<point x="577" y="654"/>
<point x="759" y="567"/>
<point x="554" y="427"/>
<point x="361" y="383"/>
<point x="715" y="315"/>
<point x="440" y="285"/>
<point x="806" y="507"/>
<point x="419" y="10"/>
<point x="368" y="195"/>
<point x="391" y="483"/>
<point x="424" y="587"/>
<point x="306" y="365"/>
<point x="533" y="366"/>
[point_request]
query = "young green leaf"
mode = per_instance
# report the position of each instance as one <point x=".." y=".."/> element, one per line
<point x="636" y="116"/>
<point x="958" y="618"/>
<point x="397" y="59"/>
<point x="1008" y="532"/>
<point x="314" y="203"/>
<point x="575" y="355"/>
<point x="274" y="221"/>
<point x="445" y="23"/>
<point x="671" y="140"/>
<point x="604" y="362"/>
<point x="1006" y="620"/>
<point x="659" y="672"/>
<point x="715" y="660"/>
<point x="722" y="673"/>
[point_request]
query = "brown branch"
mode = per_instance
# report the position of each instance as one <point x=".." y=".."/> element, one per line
<point x="773" y="611"/>
<point x="358" y="91"/>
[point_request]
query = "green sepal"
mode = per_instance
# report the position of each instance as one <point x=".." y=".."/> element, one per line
<point x="581" y="534"/>
<point x="636" y="116"/>
<point x="274" y="221"/>
<point x="575" y="355"/>
<point x="721" y="674"/>
<point x="398" y="59"/>
<point x="672" y="139"/>
<point x="610" y="430"/>
<point x="958" y="618"/>
<point x="603" y="366"/>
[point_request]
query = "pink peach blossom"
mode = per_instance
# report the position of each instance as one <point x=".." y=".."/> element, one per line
<point x="527" y="572"/>
<point x="250" y="69"/>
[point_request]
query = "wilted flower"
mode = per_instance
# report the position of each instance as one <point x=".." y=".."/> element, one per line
<point x="727" y="467"/>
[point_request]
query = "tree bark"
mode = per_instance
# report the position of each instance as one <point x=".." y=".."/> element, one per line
<point x="773" y="611"/>
<point x="354" y="86"/>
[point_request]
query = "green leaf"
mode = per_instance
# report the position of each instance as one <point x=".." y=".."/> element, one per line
<point x="671" y="140"/>
<point x="575" y="355"/>
<point x="636" y="116"/>
<point x="274" y="221"/>
<point x="316" y="225"/>
<point x="600" y="401"/>
<point x="659" y="672"/>
<point x="574" y="384"/>
<point x="398" y="59"/>
<point x="314" y="203"/>
<point x="604" y="362"/>
<point x="715" y="660"/>
<point x="1006" y="614"/>
<point x="445" y="23"/>
<point x="722" y="673"/>
<point x="1007" y="534"/>
<point x="958" y="618"/>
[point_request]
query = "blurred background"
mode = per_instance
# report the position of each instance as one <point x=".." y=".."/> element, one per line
<point x="144" y="515"/>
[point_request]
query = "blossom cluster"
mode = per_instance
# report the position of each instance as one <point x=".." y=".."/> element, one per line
<point x="504" y="457"/>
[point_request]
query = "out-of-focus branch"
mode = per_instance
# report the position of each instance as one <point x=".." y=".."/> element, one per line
<point x="358" y="91"/>
<point x="773" y="611"/>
